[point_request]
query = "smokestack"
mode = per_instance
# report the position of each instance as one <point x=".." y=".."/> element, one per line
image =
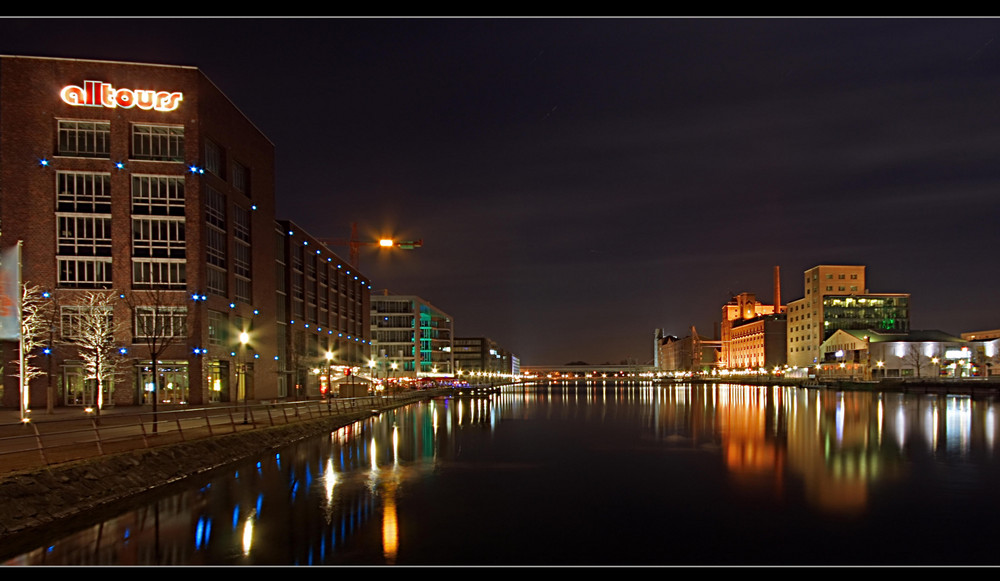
<point x="777" y="289"/>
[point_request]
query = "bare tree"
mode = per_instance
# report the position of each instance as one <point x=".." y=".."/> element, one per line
<point x="160" y="321"/>
<point x="93" y="329"/>
<point x="35" y="320"/>
<point x="915" y="358"/>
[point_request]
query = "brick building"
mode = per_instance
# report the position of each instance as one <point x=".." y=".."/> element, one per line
<point x="144" y="180"/>
<point x="324" y="329"/>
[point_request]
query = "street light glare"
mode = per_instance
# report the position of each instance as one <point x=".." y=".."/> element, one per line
<point x="385" y="243"/>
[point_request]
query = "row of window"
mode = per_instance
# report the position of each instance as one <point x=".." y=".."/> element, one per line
<point x="93" y="139"/>
<point x="149" y="322"/>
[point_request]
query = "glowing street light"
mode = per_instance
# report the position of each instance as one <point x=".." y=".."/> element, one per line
<point x="242" y="370"/>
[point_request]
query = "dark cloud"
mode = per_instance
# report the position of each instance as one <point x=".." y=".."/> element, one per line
<point x="579" y="182"/>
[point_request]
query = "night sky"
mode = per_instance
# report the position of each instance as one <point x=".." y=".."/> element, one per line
<point x="578" y="183"/>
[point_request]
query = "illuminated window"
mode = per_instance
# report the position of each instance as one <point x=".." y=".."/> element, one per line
<point x="158" y="143"/>
<point x="85" y="138"/>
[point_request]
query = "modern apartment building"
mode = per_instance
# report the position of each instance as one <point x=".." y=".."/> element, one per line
<point x="836" y="297"/>
<point x="410" y="337"/>
<point x="144" y="182"/>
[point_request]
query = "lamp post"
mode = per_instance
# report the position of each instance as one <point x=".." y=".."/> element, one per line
<point x="242" y="370"/>
<point x="329" y="376"/>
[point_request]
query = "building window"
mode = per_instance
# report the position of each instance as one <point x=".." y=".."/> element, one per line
<point x="158" y="274"/>
<point x="216" y="242"/>
<point x="216" y="281"/>
<point x="73" y="319"/>
<point x="84" y="236"/>
<point x="157" y="195"/>
<point x="85" y="273"/>
<point x="218" y="328"/>
<point x="242" y="253"/>
<point x="213" y="159"/>
<point x="160" y="322"/>
<point x="157" y="143"/>
<point x="241" y="178"/>
<point x="85" y="138"/>
<point x="158" y="238"/>
<point x="83" y="192"/>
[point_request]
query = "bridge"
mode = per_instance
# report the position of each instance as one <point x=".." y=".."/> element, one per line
<point x="587" y="371"/>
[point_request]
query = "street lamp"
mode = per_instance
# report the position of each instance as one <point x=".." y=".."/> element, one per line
<point x="242" y="370"/>
<point x="329" y="375"/>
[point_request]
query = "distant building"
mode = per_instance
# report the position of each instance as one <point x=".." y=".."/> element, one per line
<point x="836" y="298"/>
<point x="323" y="314"/>
<point x="753" y="334"/>
<point x="694" y="353"/>
<point x="483" y="355"/>
<point x="867" y="354"/>
<point x="411" y="337"/>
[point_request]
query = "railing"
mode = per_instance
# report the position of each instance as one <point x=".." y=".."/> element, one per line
<point x="51" y="441"/>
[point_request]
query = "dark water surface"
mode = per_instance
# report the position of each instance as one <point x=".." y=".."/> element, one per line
<point x="596" y="474"/>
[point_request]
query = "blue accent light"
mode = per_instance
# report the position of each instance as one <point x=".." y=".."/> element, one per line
<point x="256" y="312"/>
<point x="196" y="169"/>
<point x="305" y="243"/>
<point x="43" y="162"/>
<point x="46" y="294"/>
<point x="119" y="165"/>
<point x="47" y="351"/>
<point x="232" y="305"/>
<point x="122" y="351"/>
<point x="256" y="356"/>
<point x="232" y="354"/>
<point x="253" y="206"/>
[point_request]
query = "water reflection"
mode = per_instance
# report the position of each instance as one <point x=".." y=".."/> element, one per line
<point x="535" y="474"/>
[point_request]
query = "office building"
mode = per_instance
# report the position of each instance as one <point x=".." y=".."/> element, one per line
<point x="148" y="183"/>
<point x="482" y="355"/>
<point x="836" y="297"/>
<point x="411" y="338"/>
<point x="323" y="326"/>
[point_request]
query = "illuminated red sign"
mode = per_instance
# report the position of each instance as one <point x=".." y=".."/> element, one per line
<point x="100" y="94"/>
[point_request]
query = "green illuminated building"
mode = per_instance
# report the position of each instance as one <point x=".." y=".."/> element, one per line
<point x="410" y="337"/>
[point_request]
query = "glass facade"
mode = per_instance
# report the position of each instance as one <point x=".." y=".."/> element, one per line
<point x="886" y="314"/>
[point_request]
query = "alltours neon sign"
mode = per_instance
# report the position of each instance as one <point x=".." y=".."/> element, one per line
<point x="100" y="94"/>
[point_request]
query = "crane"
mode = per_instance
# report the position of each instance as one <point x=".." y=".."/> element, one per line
<point x="355" y="245"/>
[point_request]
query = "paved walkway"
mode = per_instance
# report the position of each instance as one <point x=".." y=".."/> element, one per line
<point x="70" y="434"/>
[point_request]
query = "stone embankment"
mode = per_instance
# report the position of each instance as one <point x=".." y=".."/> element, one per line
<point x="33" y="502"/>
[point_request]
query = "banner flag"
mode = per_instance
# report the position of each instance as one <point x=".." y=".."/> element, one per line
<point x="10" y="304"/>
